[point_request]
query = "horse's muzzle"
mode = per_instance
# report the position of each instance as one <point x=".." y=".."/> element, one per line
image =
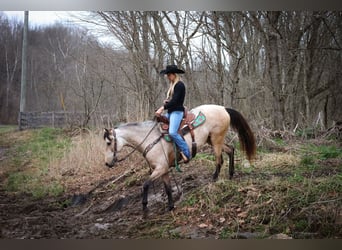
<point x="110" y="165"/>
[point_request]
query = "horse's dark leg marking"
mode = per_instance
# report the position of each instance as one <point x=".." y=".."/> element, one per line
<point x="145" y="194"/>
<point x="218" y="168"/>
<point x="231" y="163"/>
<point x="229" y="150"/>
<point x="168" y="191"/>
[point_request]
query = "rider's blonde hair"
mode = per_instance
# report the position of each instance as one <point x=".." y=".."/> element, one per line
<point x="172" y="86"/>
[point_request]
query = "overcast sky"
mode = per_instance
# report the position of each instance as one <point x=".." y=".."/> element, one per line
<point x="45" y="18"/>
<point x="42" y="18"/>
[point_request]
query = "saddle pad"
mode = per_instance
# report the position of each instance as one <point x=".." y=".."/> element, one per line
<point x="199" y="120"/>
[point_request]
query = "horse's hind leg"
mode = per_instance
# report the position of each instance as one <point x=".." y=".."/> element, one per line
<point x="230" y="151"/>
<point x="168" y="190"/>
<point x="219" y="162"/>
<point x="217" y="143"/>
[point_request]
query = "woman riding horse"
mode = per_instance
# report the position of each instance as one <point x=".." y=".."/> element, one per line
<point x="174" y="105"/>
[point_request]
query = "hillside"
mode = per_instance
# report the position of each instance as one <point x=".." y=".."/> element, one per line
<point x="54" y="185"/>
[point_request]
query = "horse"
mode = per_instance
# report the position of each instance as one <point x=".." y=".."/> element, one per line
<point x="145" y="137"/>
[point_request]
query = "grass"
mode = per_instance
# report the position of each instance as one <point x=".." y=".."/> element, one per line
<point x="288" y="206"/>
<point x="31" y="153"/>
<point x="205" y="156"/>
<point x="324" y="152"/>
<point x="44" y="145"/>
<point x="32" y="184"/>
<point x="7" y="128"/>
<point x="296" y="193"/>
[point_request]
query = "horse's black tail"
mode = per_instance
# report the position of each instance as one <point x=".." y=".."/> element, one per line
<point x="246" y="136"/>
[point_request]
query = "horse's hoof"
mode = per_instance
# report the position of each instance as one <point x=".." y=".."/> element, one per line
<point x="215" y="177"/>
<point x="145" y="213"/>
<point x="170" y="208"/>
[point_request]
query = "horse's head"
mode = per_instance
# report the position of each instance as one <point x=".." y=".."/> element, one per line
<point x="109" y="137"/>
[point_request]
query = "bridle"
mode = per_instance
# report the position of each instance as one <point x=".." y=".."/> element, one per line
<point x="115" y="159"/>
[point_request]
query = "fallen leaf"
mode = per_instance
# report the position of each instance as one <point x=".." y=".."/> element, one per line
<point x="243" y="214"/>
<point x="202" y="225"/>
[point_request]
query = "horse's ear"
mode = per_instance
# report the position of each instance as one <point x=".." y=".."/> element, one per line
<point x="111" y="131"/>
<point x="105" y="130"/>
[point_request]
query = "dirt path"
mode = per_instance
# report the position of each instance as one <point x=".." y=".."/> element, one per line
<point x="284" y="195"/>
<point x="104" y="214"/>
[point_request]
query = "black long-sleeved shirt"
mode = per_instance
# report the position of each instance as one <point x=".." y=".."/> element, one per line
<point x="177" y="100"/>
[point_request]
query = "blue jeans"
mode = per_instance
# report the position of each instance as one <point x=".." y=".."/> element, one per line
<point x="175" y="119"/>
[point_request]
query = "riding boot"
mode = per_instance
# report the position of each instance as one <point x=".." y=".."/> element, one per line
<point x="185" y="159"/>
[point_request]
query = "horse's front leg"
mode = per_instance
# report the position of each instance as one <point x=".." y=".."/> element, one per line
<point x="168" y="191"/>
<point x="157" y="173"/>
<point x="145" y="194"/>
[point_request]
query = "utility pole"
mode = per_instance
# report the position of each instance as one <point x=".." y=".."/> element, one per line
<point x="23" y="70"/>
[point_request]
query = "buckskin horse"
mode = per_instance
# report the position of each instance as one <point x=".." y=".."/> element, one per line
<point x="146" y="137"/>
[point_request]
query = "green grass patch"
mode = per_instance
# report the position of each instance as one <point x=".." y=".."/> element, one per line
<point x="306" y="133"/>
<point x="307" y="160"/>
<point x="7" y="128"/>
<point x="225" y="233"/>
<point x="45" y="144"/>
<point x="279" y="141"/>
<point x="28" y="183"/>
<point x="205" y="156"/>
<point x="295" y="192"/>
<point x="30" y="158"/>
<point x="323" y="152"/>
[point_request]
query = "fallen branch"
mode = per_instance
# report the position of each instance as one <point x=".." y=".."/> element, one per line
<point x="84" y="211"/>
<point x="111" y="180"/>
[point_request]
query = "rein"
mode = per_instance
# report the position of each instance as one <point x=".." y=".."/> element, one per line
<point x="134" y="149"/>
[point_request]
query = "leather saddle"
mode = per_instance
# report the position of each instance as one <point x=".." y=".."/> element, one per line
<point x="185" y="127"/>
<point x="187" y="120"/>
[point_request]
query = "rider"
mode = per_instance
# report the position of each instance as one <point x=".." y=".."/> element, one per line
<point x="174" y="105"/>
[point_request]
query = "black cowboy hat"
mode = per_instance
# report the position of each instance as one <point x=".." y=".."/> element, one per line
<point x="171" y="69"/>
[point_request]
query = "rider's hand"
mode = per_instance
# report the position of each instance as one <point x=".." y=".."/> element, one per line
<point x="159" y="111"/>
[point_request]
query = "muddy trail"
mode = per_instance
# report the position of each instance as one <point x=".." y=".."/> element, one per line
<point x="111" y="210"/>
<point x="289" y="192"/>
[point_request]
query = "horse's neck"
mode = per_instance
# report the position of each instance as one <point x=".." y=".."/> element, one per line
<point x="134" y="135"/>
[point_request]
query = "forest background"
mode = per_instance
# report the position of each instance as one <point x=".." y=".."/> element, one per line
<point x="281" y="69"/>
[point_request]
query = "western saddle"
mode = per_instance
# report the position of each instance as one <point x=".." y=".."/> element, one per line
<point x="184" y="128"/>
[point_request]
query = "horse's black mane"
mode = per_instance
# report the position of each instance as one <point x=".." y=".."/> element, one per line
<point x="132" y="124"/>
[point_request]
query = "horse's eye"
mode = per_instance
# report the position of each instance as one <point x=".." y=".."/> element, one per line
<point x="108" y="143"/>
